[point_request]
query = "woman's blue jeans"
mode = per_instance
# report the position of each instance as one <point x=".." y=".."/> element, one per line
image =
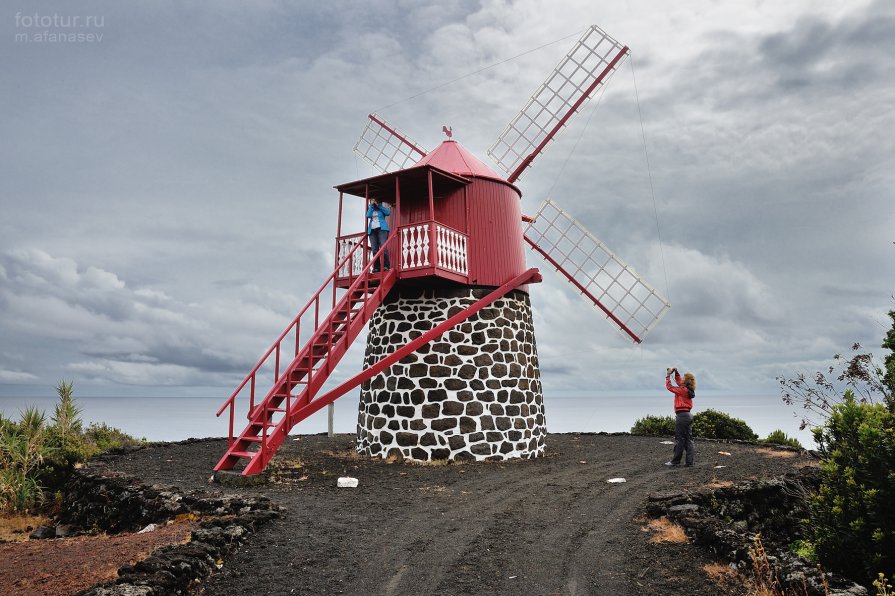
<point x="378" y="238"/>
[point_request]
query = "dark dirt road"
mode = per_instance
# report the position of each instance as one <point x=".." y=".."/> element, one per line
<point x="553" y="525"/>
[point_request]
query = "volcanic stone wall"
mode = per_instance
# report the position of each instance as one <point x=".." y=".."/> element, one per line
<point x="473" y="393"/>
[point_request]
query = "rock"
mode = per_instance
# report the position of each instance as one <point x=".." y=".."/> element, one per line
<point x="346" y="482"/>
<point x="115" y="503"/>
<point x="237" y="480"/>
<point x="43" y="533"/>
<point x="726" y="521"/>
<point x="854" y="590"/>
<point x="686" y="508"/>
<point x="122" y="590"/>
<point x="63" y="530"/>
<point x="149" y="528"/>
<point x="667" y="496"/>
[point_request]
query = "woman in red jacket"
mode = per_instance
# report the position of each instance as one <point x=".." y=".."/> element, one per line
<point x="683" y="419"/>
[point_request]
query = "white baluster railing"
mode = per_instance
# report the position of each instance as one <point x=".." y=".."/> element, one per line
<point x="415" y="246"/>
<point x="451" y="249"/>
<point x="356" y="264"/>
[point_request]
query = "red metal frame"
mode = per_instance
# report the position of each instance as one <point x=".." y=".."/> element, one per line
<point x="583" y="290"/>
<point x="527" y="161"/>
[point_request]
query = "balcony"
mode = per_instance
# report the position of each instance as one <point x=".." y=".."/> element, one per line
<point x="427" y="248"/>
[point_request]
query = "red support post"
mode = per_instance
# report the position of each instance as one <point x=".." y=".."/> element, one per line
<point x="431" y="231"/>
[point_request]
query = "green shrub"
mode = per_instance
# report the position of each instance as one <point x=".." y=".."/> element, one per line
<point x="778" y="437"/>
<point x="22" y="451"/>
<point x="712" y="424"/>
<point x="654" y="426"/>
<point x="35" y="456"/>
<point x="804" y="549"/>
<point x="852" y="519"/>
<point x="105" y="438"/>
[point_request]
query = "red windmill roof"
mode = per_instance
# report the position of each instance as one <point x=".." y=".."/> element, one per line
<point x="452" y="157"/>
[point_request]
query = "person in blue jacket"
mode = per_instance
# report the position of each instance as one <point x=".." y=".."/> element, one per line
<point x="377" y="230"/>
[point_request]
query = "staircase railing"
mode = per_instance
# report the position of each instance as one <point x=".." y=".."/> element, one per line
<point x="272" y="358"/>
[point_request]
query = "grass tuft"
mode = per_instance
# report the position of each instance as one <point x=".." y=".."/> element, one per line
<point x="665" y="530"/>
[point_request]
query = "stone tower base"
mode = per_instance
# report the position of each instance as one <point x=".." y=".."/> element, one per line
<point x="473" y="393"/>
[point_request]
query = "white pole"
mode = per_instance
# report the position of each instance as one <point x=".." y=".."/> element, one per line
<point x="332" y="409"/>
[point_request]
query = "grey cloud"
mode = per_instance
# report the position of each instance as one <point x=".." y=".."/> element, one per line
<point x="127" y="333"/>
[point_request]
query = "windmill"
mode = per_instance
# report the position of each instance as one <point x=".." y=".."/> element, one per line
<point x="451" y="368"/>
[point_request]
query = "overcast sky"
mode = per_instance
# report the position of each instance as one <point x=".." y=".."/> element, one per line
<point x="167" y="200"/>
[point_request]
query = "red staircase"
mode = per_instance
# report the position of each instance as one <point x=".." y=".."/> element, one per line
<point x="292" y="396"/>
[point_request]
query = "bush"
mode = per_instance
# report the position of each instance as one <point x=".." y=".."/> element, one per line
<point x="778" y="437"/>
<point x="34" y="455"/>
<point x="852" y="519"/>
<point x="712" y="424"/>
<point x="22" y="451"/>
<point x="654" y="426"/>
<point x="105" y="438"/>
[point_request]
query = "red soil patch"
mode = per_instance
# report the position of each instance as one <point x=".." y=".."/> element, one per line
<point x="66" y="566"/>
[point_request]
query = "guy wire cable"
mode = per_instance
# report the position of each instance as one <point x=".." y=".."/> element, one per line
<point x="578" y="140"/>
<point x="650" y="176"/>
<point x="483" y="69"/>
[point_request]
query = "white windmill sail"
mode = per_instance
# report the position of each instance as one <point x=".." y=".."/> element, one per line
<point x="601" y="276"/>
<point x="585" y="69"/>
<point x="387" y="148"/>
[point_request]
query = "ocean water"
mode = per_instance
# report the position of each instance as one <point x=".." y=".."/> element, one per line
<point x="178" y="418"/>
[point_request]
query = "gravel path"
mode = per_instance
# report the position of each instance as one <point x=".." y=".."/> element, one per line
<point x="553" y="525"/>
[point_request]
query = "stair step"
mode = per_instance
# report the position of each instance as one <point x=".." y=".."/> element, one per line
<point x="246" y="454"/>
<point x="251" y="439"/>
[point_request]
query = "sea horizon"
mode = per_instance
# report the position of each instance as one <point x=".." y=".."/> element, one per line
<point x="172" y="418"/>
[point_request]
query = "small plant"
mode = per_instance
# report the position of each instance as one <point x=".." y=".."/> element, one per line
<point x="66" y="416"/>
<point x="764" y="577"/>
<point x="861" y="374"/>
<point x="778" y="437"/>
<point x="804" y="549"/>
<point x="882" y="585"/>
<point x="654" y="426"/>
<point x="22" y="452"/>
<point x="712" y="424"/>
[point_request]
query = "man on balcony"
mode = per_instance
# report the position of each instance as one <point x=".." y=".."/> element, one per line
<point x="377" y="230"/>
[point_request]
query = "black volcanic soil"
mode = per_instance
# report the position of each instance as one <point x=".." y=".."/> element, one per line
<point x="553" y="525"/>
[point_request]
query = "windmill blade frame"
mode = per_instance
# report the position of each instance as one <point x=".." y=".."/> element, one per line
<point x="599" y="274"/>
<point x="585" y="69"/>
<point x="385" y="147"/>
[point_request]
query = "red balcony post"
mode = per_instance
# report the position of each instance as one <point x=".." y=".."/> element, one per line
<point x="431" y="231"/>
